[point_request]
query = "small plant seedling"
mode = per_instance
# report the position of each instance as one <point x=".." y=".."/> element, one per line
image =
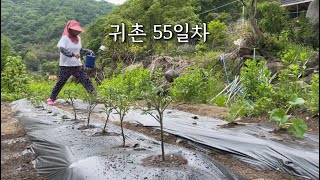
<point x="64" y="117"/>
<point x="36" y="101"/>
<point x="295" y="125"/>
<point x="71" y="96"/>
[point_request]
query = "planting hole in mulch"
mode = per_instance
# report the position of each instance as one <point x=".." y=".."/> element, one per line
<point x="231" y="125"/>
<point x="105" y="134"/>
<point x="170" y="161"/>
<point x="86" y="127"/>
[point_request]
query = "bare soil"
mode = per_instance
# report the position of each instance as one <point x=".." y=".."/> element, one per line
<point x="202" y="109"/>
<point x="170" y="161"/>
<point x="312" y="121"/>
<point x="86" y="127"/>
<point x="16" y="161"/>
<point x="105" y="134"/>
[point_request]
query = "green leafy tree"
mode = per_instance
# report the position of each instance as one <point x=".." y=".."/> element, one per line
<point x="32" y="62"/>
<point x="14" y="77"/>
<point x="92" y="100"/>
<point x="218" y="35"/>
<point x="71" y="97"/>
<point x="272" y="17"/>
<point x="5" y="50"/>
<point x="121" y="104"/>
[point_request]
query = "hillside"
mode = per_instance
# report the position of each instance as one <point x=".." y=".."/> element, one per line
<point x="37" y="24"/>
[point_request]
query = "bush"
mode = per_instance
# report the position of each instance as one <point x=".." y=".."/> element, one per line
<point x="303" y="32"/>
<point x="196" y="85"/>
<point x="216" y="38"/>
<point x="130" y="83"/>
<point x="239" y="108"/>
<point x="256" y="79"/>
<point x="313" y="103"/>
<point x="14" y="79"/>
<point x="272" y="17"/>
<point x="50" y="68"/>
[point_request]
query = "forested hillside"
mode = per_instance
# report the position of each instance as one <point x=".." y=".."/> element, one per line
<point x="33" y="26"/>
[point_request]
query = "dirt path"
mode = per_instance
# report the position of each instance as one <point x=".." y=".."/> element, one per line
<point x="16" y="159"/>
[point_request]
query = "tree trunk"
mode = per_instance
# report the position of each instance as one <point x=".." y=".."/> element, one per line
<point x="123" y="138"/>
<point x="161" y="130"/>
<point x="105" y="125"/>
<point x="89" y="118"/>
<point x="74" y="111"/>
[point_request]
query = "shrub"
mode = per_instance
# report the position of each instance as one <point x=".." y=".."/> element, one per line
<point x="216" y="38"/>
<point x="14" y="79"/>
<point x="280" y="116"/>
<point x="196" y="85"/>
<point x="131" y="82"/>
<point x="272" y="17"/>
<point x="256" y="79"/>
<point x="313" y="103"/>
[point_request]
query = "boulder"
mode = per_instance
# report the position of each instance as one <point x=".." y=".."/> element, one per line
<point x="313" y="12"/>
<point x="274" y="66"/>
<point x="170" y="75"/>
<point x="258" y="58"/>
<point x="133" y="66"/>
<point x="244" y="51"/>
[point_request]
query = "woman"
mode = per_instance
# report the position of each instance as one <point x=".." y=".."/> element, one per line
<point x="70" y="62"/>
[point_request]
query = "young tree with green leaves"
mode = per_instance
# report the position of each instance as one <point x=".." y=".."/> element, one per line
<point x="71" y="97"/>
<point x="121" y="104"/>
<point x="108" y="105"/>
<point x="158" y="99"/>
<point x="92" y="101"/>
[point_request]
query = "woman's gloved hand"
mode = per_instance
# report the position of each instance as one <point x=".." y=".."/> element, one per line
<point x="89" y="51"/>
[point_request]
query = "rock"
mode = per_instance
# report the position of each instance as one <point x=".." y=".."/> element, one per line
<point x="258" y="58"/>
<point x="274" y="66"/>
<point x="313" y="61"/>
<point x="309" y="71"/>
<point x="133" y="66"/>
<point x="313" y="12"/>
<point x="170" y="75"/>
<point x="244" y="51"/>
